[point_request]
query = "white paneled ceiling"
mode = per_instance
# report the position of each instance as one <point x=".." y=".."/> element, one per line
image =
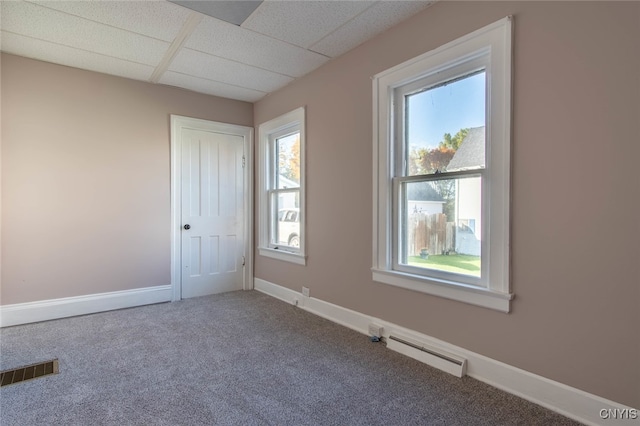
<point x="168" y="43"/>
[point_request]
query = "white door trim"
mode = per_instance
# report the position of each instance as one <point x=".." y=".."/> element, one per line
<point x="177" y="124"/>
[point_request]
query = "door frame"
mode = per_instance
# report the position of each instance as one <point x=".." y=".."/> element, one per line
<point x="178" y="123"/>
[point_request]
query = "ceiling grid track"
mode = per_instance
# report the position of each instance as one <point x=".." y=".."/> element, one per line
<point x="191" y="23"/>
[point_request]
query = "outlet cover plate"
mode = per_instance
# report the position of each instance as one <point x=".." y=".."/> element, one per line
<point x="375" y="330"/>
<point x="305" y="291"/>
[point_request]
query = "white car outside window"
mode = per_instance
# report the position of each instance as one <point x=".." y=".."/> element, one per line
<point x="289" y="227"/>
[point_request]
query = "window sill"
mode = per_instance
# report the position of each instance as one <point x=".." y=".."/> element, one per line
<point x="460" y="292"/>
<point x="283" y="255"/>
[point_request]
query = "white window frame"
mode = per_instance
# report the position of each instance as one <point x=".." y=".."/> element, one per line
<point x="492" y="42"/>
<point x="268" y="132"/>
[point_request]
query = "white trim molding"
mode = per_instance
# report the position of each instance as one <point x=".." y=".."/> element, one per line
<point x="488" y="50"/>
<point x="566" y="400"/>
<point x="283" y="255"/>
<point x="268" y="133"/>
<point x="45" y="310"/>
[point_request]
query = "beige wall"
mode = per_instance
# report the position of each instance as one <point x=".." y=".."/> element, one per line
<point x="86" y="178"/>
<point x="575" y="214"/>
<point x="85" y="187"/>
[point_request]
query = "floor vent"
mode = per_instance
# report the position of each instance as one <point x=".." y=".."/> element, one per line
<point x="29" y="372"/>
<point x="434" y="357"/>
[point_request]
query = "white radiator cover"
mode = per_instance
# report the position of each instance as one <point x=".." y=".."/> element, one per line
<point x="435" y="357"/>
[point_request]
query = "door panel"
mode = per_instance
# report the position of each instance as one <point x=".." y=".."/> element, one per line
<point x="214" y="254"/>
<point x="195" y="253"/>
<point x="213" y="206"/>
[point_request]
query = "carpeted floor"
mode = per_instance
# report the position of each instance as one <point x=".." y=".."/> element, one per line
<point x="240" y="358"/>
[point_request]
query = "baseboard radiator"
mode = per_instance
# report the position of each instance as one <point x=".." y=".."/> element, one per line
<point x="435" y="357"/>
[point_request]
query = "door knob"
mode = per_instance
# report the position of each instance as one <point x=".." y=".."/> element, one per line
<point x="187" y="226"/>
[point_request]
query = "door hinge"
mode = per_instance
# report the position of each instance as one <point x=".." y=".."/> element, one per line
<point x="243" y="261"/>
<point x="243" y="161"/>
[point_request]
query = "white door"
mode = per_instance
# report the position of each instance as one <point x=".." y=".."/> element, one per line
<point x="212" y="212"/>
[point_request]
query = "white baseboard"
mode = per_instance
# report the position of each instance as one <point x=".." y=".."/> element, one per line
<point x="566" y="400"/>
<point x="24" y="313"/>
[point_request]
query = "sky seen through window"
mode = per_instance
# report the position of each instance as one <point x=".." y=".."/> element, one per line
<point x="445" y="109"/>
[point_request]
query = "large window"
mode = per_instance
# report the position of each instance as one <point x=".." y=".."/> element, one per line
<point x="442" y="138"/>
<point x="282" y="187"/>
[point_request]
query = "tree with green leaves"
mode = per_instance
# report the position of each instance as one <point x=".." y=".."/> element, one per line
<point x="453" y="142"/>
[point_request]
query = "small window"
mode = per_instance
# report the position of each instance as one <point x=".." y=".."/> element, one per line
<point x="442" y="135"/>
<point x="282" y="187"/>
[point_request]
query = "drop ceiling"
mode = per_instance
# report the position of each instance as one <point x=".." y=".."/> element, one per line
<point x="244" y="50"/>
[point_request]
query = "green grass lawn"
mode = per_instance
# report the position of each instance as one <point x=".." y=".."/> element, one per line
<point x="458" y="263"/>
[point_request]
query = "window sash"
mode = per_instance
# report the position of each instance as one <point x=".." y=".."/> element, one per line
<point x="467" y="66"/>
<point x="399" y="212"/>
<point x="274" y="154"/>
<point x="272" y="212"/>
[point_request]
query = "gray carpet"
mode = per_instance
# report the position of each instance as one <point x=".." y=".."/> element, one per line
<point x="240" y="358"/>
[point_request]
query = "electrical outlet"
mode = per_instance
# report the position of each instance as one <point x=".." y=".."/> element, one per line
<point x="305" y="291"/>
<point x="375" y="330"/>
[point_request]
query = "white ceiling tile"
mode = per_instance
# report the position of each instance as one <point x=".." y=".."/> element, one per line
<point x="209" y="87"/>
<point x="303" y="23"/>
<point x="198" y="64"/>
<point x="226" y="40"/>
<point x="130" y="39"/>
<point x="46" y="24"/>
<point x="157" y="19"/>
<point x="373" y="21"/>
<point x="63" y="55"/>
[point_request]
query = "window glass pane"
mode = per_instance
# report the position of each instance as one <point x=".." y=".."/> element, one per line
<point x="286" y="225"/>
<point x="288" y="161"/>
<point x="441" y="226"/>
<point x="445" y="127"/>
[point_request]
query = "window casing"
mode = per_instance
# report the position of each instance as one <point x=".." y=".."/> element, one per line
<point x="483" y="184"/>
<point x="281" y="179"/>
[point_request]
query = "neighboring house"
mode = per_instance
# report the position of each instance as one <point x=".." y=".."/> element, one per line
<point x="469" y="156"/>
<point x="471" y="152"/>
<point x="422" y="198"/>
<point x="288" y="200"/>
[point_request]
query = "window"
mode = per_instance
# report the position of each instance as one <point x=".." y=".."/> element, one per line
<point x="282" y="187"/>
<point x="442" y="135"/>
